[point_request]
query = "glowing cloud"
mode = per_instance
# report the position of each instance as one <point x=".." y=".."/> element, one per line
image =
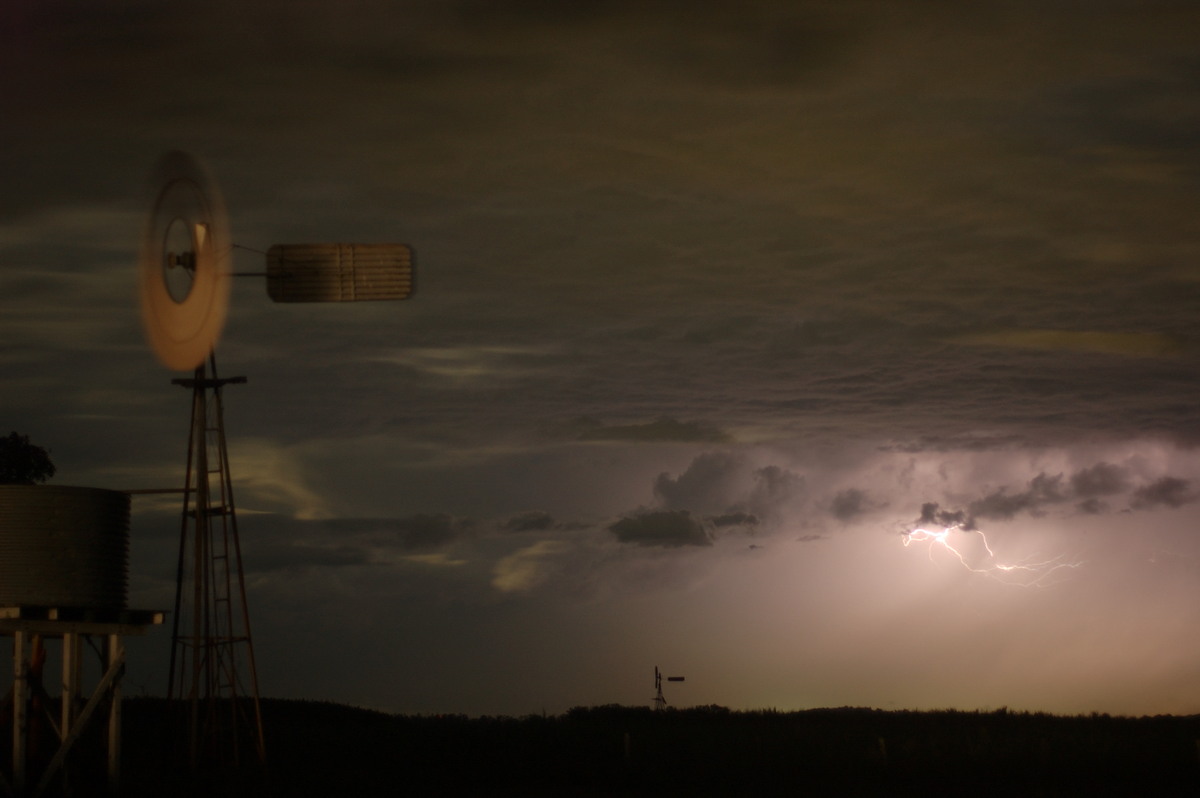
<point x="527" y="568"/>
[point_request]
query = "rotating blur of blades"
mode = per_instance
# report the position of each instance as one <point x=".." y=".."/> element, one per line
<point x="184" y="263"/>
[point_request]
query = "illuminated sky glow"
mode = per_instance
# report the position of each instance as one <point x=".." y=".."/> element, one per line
<point x="715" y="302"/>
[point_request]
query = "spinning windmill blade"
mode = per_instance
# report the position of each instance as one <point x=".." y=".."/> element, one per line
<point x="183" y="269"/>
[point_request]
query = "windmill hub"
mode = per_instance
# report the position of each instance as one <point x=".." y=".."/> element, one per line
<point x="179" y="258"/>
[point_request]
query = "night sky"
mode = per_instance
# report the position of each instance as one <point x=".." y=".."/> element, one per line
<point x="716" y="302"/>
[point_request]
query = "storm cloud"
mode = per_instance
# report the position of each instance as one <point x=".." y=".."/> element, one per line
<point x="1101" y="479"/>
<point x="662" y="429"/>
<point x="1088" y="488"/>
<point x="1041" y="490"/>
<point x="714" y="481"/>
<point x="933" y="514"/>
<point x="666" y="528"/>
<point x="532" y="521"/>
<point x="849" y="504"/>
<point x="1170" y="492"/>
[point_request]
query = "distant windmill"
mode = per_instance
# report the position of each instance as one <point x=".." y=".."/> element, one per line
<point x="659" y="701"/>
<point x="184" y="279"/>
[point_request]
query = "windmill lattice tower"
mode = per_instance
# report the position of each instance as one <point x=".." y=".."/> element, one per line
<point x="212" y="650"/>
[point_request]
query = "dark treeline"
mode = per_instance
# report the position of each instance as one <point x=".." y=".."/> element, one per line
<point x="321" y="749"/>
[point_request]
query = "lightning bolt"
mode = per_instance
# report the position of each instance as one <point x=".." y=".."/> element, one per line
<point x="1026" y="573"/>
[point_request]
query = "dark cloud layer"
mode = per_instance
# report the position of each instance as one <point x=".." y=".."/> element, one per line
<point x="747" y="47"/>
<point x="663" y="429"/>
<point x="1102" y="479"/>
<point x="277" y="542"/>
<point x="1043" y="489"/>
<point x="1088" y="487"/>
<point x="532" y="521"/>
<point x="849" y="504"/>
<point x="933" y="514"/>
<point x="285" y="556"/>
<point x="1170" y="492"/>
<point x="666" y="528"/>
<point x="734" y="520"/>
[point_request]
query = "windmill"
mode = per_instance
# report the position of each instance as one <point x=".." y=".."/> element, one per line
<point x="184" y="281"/>
<point x="659" y="701"/>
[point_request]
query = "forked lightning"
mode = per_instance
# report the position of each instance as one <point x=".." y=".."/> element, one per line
<point x="1024" y="574"/>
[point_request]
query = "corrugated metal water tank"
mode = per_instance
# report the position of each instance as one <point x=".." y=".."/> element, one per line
<point x="63" y="547"/>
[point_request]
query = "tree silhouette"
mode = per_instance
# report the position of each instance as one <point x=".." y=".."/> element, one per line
<point x="22" y="463"/>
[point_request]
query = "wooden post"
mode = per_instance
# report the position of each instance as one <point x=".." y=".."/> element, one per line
<point x="116" y="658"/>
<point x="70" y="681"/>
<point x="20" y="705"/>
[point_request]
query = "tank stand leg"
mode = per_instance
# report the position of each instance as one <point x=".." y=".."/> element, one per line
<point x="116" y="660"/>
<point x="20" y="709"/>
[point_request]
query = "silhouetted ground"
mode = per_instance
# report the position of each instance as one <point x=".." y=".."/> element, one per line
<point x="322" y="749"/>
